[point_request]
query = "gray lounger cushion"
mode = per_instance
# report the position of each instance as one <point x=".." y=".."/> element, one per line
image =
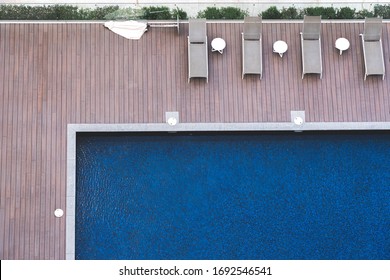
<point x="311" y="46"/>
<point x="252" y="61"/>
<point x="197" y="50"/>
<point x="198" y="61"/>
<point x="372" y="47"/>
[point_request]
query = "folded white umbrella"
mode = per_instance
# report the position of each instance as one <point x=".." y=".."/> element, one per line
<point x="129" y="29"/>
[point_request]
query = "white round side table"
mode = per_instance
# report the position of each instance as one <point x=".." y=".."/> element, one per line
<point x="342" y="44"/>
<point x="218" y="45"/>
<point x="280" y="47"/>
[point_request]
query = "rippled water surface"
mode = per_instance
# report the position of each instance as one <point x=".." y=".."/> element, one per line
<point x="233" y="196"/>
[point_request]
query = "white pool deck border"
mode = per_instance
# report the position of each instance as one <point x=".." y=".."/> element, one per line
<point x="73" y="129"/>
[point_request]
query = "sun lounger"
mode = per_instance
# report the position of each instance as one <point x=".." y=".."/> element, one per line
<point x="252" y="47"/>
<point x="311" y="46"/>
<point x="372" y="47"/>
<point x="197" y="50"/>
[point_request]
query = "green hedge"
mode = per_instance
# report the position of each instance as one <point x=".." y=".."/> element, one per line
<point x="272" y="13"/>
<point x="156" y="12"/>
<point x="151" y="13"/>
<point x="222" y="13"/>
<point x="69" y="12"/>
<point x="382" y="10"/>
<point x="54" y="12"/>
<point x="326" y="12"/>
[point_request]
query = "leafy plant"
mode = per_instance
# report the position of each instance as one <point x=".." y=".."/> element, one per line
<point x="324" y="12"/>
<point x="363" y="14"/>
<point x="382" y="11"/>
<point x="232" y="13"/>
<point x="346" y="13"/>
<point x="124" y="14"/>
<point x="69" y="12"/>
<point x="291" y="13"/>
<point x="210" y="13"/>
<point x="156" y="12"/>
<point x="271" y="13"/>
<point x="101" y="12"/>
<point x="222" y="13"/>
<point x="53" y="12"/>
<point x="179" y="12"/>
<point x="65" y="12"/>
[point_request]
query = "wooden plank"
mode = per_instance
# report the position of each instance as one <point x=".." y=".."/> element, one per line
<point x="85" y="73"/>
<point x="92" y="69"/>
<point x="3" y="142"/>
<point x="54" y="41"/>
<point x="34" y="243"/>
<point x="168" y="66"/>
<point x="61" y="137"/>
<point x="41" y="143"/>
<point x="114" y="80"/>
<point x="12" y="132"/>
<point x="78" y="73"/>
<point x="53" y="101"/>
<point x="18" y="128"/>
<point x="6" y="141"/>
<point x="24" y="211"/>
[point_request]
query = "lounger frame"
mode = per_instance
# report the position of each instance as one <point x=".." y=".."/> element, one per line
<point x="252" y="52"/>
<point x="374" y="63"/>
<point x="197" y="50"/>
<point x="311" y="46"/>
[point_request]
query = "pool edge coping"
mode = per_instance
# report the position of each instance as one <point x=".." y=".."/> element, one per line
<point x="73" y="129"/>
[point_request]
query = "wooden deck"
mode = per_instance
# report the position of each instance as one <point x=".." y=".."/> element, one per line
<point x="60" y="73"/>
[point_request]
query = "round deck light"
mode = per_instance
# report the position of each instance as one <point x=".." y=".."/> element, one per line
<point x="298" y="120"/>
<point x="58" y="213"/>
<point x="172" y="121"/>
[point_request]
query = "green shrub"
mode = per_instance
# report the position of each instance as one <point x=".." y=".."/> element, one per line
<point x="179" y="12"/>
<point x="210" y="13"/>
<point x="363" y="14"/>
<point x="69" y="12"/>
<point x="271" y="13"/>
<point x="45" y="13"/>
<point x="324" y="12"/>
<point x="291" y="13"/>
<point x="156" y="13"/>
<point x="124" y="14"/>
<point x="9" y="12"/>
<point x="53" y="12"/>
<point x="65" y="12"/>
<point x="101" y="12"/>
<point x="232" y="13"/>
<point x="222" y="13"/>
<point x="346" y="13"/>
<point x="22" y="12"/>
<point x="382" y="11"/>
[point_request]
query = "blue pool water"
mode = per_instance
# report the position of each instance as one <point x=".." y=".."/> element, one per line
<point x="233" y="196"/>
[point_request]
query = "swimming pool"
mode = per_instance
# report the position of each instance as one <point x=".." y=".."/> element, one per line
<point x="233" y="196"/>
